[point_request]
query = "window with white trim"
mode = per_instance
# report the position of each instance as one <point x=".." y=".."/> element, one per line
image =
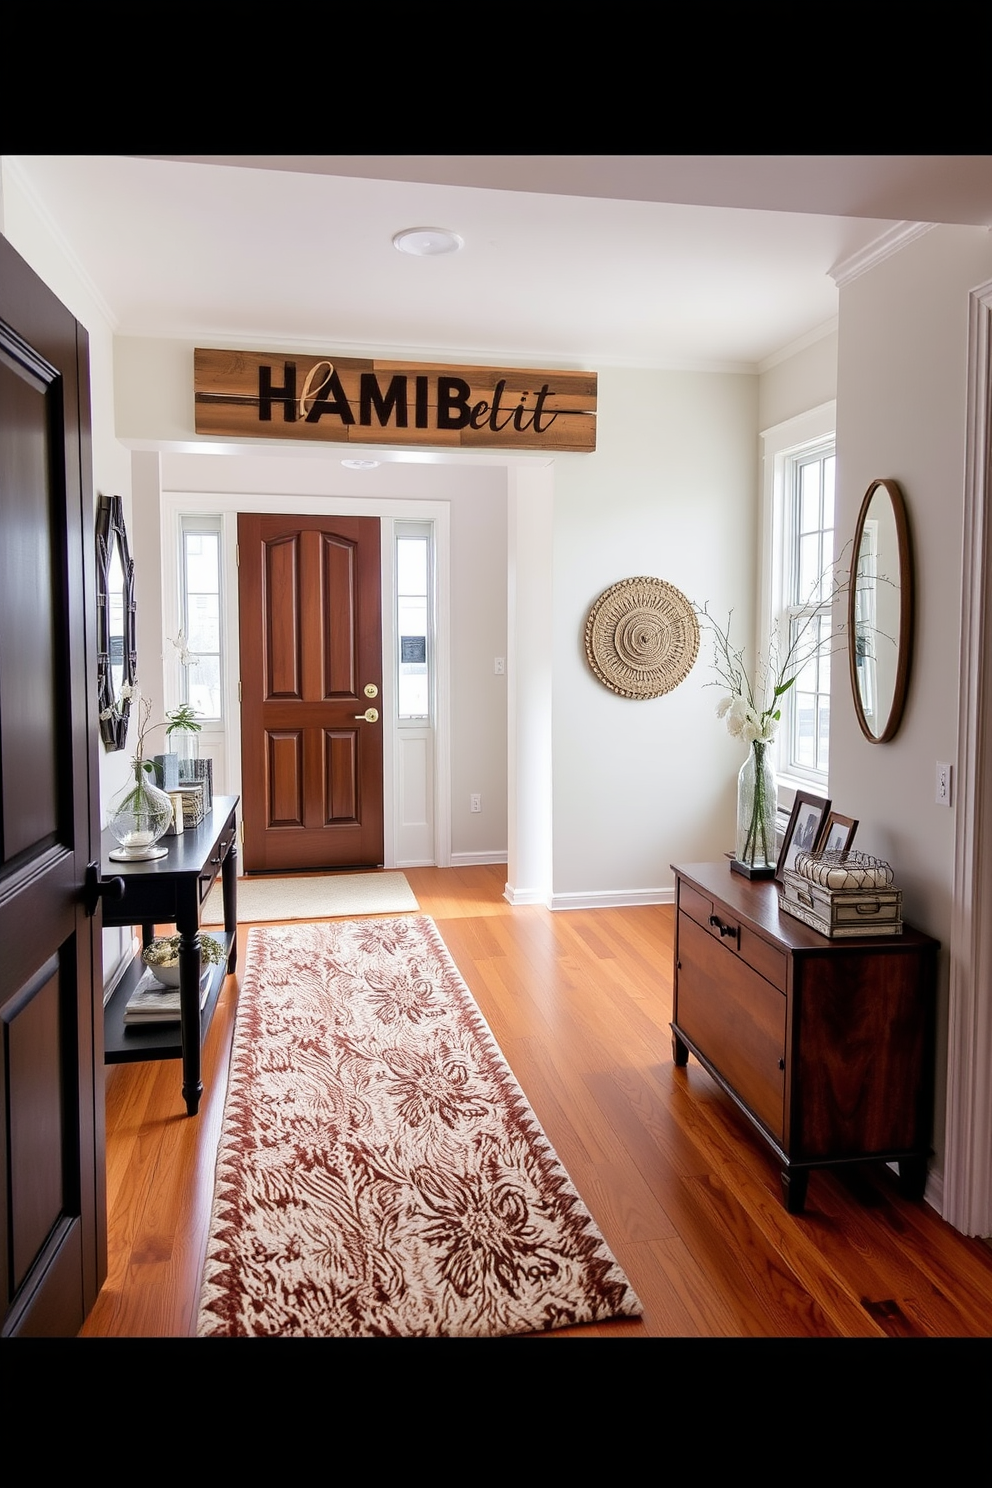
<point x="200" y="611"/>
<point x="806" y="614"/>
<point x="800" y="468"/>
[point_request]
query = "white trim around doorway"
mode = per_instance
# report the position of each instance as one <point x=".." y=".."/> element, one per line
<point x="173" y="504"/>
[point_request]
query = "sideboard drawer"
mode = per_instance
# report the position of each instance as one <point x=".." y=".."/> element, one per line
<point x="769" y="962"/>
<point x="735" y="1016"/>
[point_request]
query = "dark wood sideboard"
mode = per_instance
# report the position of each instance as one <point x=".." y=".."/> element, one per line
<point x="825" y="1044"/>
<point x="171" y="891"/>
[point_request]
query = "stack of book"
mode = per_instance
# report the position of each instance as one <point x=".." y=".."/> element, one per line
<point x="151" y="1002"/>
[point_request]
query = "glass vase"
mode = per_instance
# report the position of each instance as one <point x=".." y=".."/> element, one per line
<point x="140" y="814"/>
<point x="757" y="805"/>
<point x="187" y="746"/>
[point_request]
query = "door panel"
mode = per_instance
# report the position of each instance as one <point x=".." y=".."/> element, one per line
<point x="311" y="641"/>
<point x="52" y="1224"/>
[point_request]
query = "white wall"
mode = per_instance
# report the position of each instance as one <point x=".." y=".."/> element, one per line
<point x="671" y="492"/>
<point x="901" y="414"/>
<point x="792" y="384"/>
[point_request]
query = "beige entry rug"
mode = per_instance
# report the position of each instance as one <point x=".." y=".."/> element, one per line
<point x="380" y="1172"/>
<point x="313" y="897"/>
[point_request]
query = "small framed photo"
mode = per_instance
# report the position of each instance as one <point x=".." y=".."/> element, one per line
<point x="837" y="834"/>
<point x="805" y="825"/>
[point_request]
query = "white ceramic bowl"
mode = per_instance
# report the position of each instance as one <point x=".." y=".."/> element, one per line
<point x="167" y="975"/>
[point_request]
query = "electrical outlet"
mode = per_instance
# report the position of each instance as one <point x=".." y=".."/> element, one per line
<point x="499" y="665"/>
<point x="943" y="792"/>
<point x="475" y="802"/>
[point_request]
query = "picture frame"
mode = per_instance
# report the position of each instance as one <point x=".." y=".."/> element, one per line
<point x="837" y="833"/>
<point x="803" y="832"/>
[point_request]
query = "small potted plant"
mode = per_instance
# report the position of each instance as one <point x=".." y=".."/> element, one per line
<point x="162" y="956"/>
<point x="181" y="730"/>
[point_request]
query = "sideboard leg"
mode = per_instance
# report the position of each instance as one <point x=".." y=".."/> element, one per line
<point x="680" y="1051"/>
<point x="912" y="1177"/>
<point x="794" y="1184"/>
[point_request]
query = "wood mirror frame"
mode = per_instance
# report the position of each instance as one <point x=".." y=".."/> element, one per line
<point x="881" y="611"/>
<point x="117" y="660"/>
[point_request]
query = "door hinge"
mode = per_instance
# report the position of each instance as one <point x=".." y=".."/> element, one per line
<point x="237" y="555"/>
<point x="239" y="692"/>
<point x="241" y="829"/>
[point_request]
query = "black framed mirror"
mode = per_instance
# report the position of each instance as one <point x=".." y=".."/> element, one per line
<point x="117" y="661"/>
<point x="880" y="611"/>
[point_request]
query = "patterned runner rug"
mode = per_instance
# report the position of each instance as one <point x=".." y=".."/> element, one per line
<point x="380" y="1172"/>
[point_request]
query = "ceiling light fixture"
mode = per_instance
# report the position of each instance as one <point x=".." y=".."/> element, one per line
<point x="360" y="464"/>
<point x="425" y="242"/>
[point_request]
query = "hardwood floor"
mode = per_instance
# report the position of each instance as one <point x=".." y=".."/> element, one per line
<point x="686" y="1195"/>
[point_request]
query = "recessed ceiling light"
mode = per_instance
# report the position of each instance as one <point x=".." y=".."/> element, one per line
<point x="360" y="464"/>
<point x="424" y="242"/>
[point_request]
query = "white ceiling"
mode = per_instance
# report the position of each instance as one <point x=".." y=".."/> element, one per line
<point x="643" y="260"/>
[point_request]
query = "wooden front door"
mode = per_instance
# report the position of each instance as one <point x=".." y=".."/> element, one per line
<point x="52" y="1207"/>
<point x="311" y="670"/>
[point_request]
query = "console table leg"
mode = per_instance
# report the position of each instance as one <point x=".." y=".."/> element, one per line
<point x="229" y="887"/>
<point x="794" y="1184"/>
<point x="189" y="1011"/>
<point x="680" y="1051"/>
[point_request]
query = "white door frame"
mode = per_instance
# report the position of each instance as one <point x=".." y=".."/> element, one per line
<point x="967" y="1185"/>
<point x="174" y="504"/>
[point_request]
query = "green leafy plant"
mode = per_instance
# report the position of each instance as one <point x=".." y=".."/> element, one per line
<point x="183" y="719"/>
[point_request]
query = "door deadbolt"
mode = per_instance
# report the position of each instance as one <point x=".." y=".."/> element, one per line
<point x="371" y="715"/>
<point x="371" y="690"/>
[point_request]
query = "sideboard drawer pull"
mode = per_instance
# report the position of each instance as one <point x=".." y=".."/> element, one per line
<point x="718" y="924"/>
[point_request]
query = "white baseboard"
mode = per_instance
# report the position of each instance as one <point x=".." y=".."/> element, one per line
<point x="524" y="896"/>
<point x="614" y="899"/>
<point x="477" y="859"/>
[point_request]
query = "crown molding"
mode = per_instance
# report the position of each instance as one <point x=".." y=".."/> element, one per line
<point x="877" y="251"/>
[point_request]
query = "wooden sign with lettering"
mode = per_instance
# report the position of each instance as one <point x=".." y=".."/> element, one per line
<point x="286" y="395"/>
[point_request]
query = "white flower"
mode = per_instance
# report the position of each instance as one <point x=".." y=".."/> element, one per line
<point x="737" y="717"/>
<point x="724" y="705"/>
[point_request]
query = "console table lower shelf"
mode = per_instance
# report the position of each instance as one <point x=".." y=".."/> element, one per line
<point x="826" y="1045"/>
<point x="171" y="891"/>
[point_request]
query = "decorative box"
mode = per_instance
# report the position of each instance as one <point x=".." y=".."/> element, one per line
<point x="202" y="771"/>
<point x="842" y="895"/>
<point x="192" y="794"/>
<point x="167" y="771"/>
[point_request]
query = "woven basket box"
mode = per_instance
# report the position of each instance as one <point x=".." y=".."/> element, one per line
<point x="841" y="912"/>
<point x="192" y="795"/>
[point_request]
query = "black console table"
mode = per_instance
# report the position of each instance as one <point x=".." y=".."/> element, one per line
<point x="171" y="890"/>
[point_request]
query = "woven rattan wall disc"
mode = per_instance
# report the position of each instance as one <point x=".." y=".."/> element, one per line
<point x="642" y="638"/>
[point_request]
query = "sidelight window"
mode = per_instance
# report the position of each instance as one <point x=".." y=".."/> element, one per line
<point x="414" y="606"/>
<point x="200" y="611"/>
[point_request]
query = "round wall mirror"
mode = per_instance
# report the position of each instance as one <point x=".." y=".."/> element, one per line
<point x="880" y="611"/>
<point x="116" y="656"/>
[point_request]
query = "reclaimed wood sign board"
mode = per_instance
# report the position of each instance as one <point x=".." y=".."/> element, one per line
<point x="363" y="400"/>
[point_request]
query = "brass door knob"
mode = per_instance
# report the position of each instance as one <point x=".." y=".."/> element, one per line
<point x="371" y="715"/>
